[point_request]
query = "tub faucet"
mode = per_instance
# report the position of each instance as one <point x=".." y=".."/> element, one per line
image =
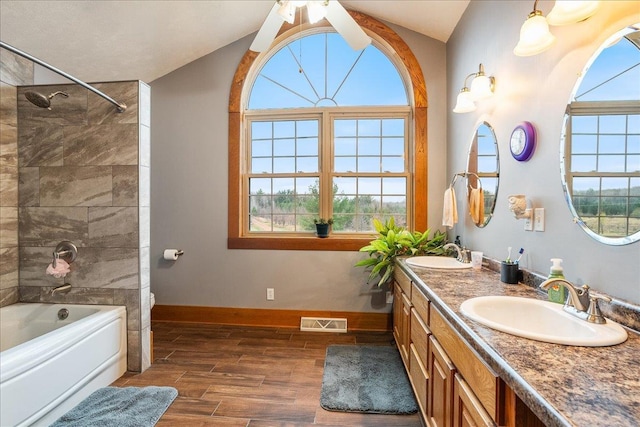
<point x="464" y="255"/>
<point x="61" y="289"/>
<point x="578" y="299"/>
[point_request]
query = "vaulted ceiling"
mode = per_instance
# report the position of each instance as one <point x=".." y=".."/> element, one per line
<point x="145" y="39"/>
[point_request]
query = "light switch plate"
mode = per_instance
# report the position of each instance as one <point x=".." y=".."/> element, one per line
<point x="528" y="222"/>
<point x="538" y="222"/>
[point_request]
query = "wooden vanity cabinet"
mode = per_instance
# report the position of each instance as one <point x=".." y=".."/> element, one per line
<point x="430" y="368"/>
<point x="453" y="386"/>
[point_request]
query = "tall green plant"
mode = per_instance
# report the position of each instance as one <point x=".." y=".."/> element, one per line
<point x="394" y="241"/>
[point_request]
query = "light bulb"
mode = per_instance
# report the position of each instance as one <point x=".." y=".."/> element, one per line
<point x="317" y="10"/>
<point x="464" y="103"/>
<point x="288" y="11"/>
<point x="569" y="12"/>
<point x="481" y="88"/>
<point x="534" y="36"/>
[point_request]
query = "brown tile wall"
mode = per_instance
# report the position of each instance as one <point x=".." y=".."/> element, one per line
<point x="78" y="172"/>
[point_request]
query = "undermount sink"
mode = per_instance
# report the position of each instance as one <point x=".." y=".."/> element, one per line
<point x="541" y="320"/>
<point x="440" y="262"/>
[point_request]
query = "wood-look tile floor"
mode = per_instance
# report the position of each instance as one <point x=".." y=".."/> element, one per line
<point x="253" y="377"/>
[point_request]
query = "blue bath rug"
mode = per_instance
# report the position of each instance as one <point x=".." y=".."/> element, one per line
<point x="369" y="379"/>
<point x="120" y="407"/>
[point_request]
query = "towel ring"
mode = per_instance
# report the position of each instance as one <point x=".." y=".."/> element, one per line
<point x="465" y="175"/>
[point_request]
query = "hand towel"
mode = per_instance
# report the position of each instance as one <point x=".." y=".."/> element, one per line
<point x="61" y="269"/>
<point x="476" y="205"/>
<point x="449" y="209"/>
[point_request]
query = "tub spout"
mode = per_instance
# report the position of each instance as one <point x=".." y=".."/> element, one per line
<point x="61" y="289"/>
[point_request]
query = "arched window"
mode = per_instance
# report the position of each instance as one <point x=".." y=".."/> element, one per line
<point x="324" y="132"/>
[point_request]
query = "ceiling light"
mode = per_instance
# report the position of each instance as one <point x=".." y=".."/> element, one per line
<point x="569" y="12"/>
<point x="482" y="87"/>
<point x="287" y="10"/>
<point x="534" y="35"/>
<point x="317" y="10"/>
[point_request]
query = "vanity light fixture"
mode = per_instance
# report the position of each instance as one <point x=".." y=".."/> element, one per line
<point x="534" y="34"/>
<point x="569" y="12"/>
<point x="482" y="87"/>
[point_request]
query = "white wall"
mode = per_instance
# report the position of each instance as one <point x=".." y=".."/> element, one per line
<point x="535" y="89"/>
<point x="189" y="198"/>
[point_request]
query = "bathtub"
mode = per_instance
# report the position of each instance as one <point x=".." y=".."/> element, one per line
<point x="47" y="365"/>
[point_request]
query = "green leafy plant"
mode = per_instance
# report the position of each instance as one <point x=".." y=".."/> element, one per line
<point x="323" y="221"/>
<point x="394" y="241"/>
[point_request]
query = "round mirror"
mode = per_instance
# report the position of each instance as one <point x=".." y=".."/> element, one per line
<point x="483" y="169"/>
<point x="600" y="149"/>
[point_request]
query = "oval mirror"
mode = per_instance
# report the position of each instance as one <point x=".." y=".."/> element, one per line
<point x="483" y="167"/>
<point x="600" y="148"/>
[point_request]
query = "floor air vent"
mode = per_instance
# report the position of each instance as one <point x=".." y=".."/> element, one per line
<point x="320" y="324"/>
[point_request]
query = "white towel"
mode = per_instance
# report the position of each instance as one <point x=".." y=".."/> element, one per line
<point x="449" y="209"/>
<point x="476" y="205"/>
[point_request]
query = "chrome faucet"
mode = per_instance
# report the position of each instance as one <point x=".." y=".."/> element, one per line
<point x="464" y="255"/>
<point x="580" y="302"/>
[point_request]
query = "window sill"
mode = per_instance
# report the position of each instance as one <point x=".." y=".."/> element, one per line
<point x="331" y="243"/>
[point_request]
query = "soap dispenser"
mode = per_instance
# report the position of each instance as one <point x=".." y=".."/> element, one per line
<point x="557" y="293"/>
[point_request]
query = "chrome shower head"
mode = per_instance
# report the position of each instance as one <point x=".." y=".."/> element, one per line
<point x="42" y="101"/>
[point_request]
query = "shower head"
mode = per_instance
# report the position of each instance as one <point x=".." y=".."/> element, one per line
<point x="42" y="101"/>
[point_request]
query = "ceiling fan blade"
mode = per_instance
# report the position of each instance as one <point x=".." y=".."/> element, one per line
<point x="344" y="24"/>
<point x="268" y="31"/>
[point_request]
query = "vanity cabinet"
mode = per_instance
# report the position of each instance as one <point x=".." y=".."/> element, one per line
<point x="452" y="384"/>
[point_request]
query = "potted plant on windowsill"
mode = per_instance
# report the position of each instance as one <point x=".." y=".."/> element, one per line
<point x="323" y="226"/>
<point x="393" y="242"/>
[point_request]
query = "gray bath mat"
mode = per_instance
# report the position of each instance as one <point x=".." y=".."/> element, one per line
<point x="120" y="407"/>
<point x="369" y="379"/>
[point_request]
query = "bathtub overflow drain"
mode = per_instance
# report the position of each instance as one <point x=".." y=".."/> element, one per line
<point x="63" y="313"/>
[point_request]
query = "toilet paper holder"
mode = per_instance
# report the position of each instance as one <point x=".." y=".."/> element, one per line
<point x="172" y="254"/>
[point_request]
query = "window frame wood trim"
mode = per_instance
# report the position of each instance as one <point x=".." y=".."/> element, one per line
<point x="236" y="240"/>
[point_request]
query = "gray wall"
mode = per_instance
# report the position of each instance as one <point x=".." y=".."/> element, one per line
<point x="535" y="89"/>
<point x="189" y="199"/>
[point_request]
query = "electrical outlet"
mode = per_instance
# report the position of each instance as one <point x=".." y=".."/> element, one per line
<point x="538" y="223"/>
<point x="389" y="297"/>
<point x="271" y="294"/>
<point x="528" y="222"/>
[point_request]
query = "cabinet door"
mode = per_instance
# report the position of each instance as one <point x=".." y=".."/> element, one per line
<point x="440" y="393"/>
<point x="467" y="410"/>
<point x="397" y="314"/>
<point x="405" y="334"/>
<point x="419" y="380"/>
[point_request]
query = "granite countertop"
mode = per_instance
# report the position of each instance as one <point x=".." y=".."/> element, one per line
<point x="562" y="385"/>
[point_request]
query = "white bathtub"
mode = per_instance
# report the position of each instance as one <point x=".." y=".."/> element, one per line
<point x="47" y="365"/>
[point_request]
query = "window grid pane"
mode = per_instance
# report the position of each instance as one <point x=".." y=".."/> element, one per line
<point x="372" y="181"/>
<point x="604" y="170"/>
<point x="283" y="204"/>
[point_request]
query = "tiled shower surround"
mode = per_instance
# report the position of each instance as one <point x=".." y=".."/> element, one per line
<point x="84" y="176"/>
